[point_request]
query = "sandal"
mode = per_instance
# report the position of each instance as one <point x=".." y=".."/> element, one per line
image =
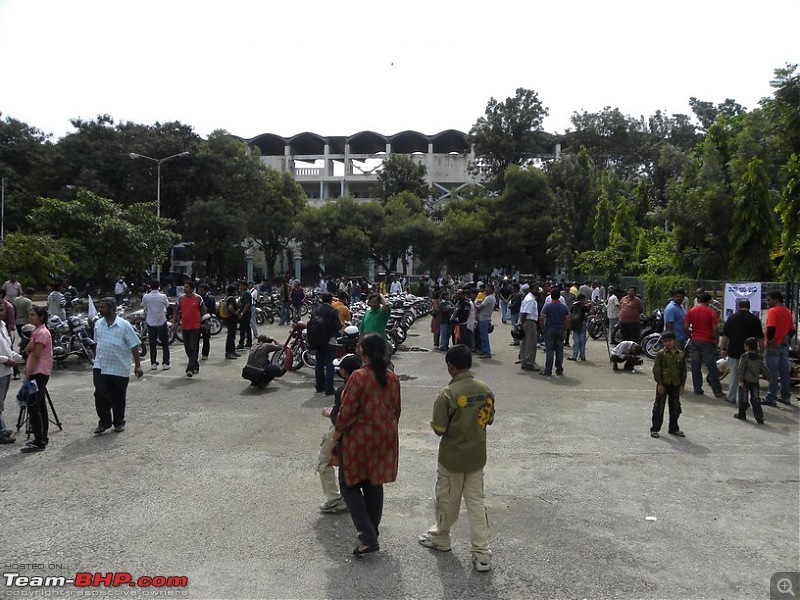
<point x="357" y="551"/>
<point x="654" y="434"/>
<point x="678" y="433"/>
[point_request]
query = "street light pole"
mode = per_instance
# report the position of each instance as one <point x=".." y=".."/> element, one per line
<point x="158" y="162"/>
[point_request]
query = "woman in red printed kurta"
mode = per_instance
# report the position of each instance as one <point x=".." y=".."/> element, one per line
<point x="367" y="423"/>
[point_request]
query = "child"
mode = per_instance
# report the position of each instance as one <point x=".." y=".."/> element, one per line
<point x="669" y="371"/>
<point x="333" y="499"/>
<point x="749" y="372"/>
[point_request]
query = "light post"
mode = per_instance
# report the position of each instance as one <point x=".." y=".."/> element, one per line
<point x="158" y="162"/>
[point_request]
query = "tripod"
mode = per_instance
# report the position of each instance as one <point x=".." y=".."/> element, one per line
<point x="24" y="417"/>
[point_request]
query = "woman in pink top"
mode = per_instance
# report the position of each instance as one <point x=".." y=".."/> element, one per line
<point x="38" y="367"/>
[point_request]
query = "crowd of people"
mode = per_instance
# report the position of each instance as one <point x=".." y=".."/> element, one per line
<point x="363" y="439"/>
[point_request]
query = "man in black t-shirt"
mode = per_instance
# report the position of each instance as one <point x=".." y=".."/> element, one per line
<point x="740" y="325"/>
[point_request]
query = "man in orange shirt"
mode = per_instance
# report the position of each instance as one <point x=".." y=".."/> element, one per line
<point x="190" y="310"/>
<point x="630" y="313"/>
<point x="340" y="304"/>
<point x="702" y="321"/>
<point x="780" y="330"/>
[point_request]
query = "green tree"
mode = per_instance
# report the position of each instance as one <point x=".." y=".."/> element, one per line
<point x="521" y="221"/>
<point x="789" y="210"/>
<point x="217" y="232"/>
<point x="34" y="258"/>
<point x="462" y="235"/>
<point x="25" y="159"/>
<point x="751" y="237"/>
<point x="103" y="238"/>
<point x="573" y="183"/>
<point x="510" y="133"/>
<point x="271" y="215"/>
<point x="400" y="173"/>
<point x="405" y="226"/>
<point x="603" y="220"/>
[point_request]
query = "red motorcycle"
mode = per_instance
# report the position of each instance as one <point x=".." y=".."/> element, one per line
<point x="295" y="352"/>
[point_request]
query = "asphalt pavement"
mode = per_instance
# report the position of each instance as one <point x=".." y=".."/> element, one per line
<point x="215" y="481"/>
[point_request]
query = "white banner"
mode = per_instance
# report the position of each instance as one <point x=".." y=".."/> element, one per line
<point x="734" y="291"/>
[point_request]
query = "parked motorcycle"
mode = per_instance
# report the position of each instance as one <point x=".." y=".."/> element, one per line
<point x="71" y="337"/>
<point x="295" y="352"/>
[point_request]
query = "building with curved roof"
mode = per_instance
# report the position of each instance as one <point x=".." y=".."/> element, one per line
<point x="331" y="166"/>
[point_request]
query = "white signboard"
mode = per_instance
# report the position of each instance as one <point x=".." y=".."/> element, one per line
<point x="734" y="291"/>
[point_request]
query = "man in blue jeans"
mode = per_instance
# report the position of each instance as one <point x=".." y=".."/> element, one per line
<point x="780" y="331"/>
<point x="554" y="319"/>
<point x="485" y="308"/>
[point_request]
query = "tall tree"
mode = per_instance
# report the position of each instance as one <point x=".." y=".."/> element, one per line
<point x="789" y="210"/>
<point x="104" y="238"/>
<point x="752" y="236"/>
<point x="510" y="133"/>
<point x="573" y="183"/>
<point x="276" y="200"/>
<point x="520" y="223"/>
<point x="401" y="173"/>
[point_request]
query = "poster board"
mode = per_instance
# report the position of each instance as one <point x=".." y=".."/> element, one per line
<point x="734" y="291"/>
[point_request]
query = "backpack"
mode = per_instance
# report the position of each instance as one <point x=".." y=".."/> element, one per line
<point x="578" y="316"/>
<point x="222" y="309"/>
<point x="317" y="332"/>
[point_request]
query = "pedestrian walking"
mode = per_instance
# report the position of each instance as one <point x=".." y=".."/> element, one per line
<point x="116" y="344"/>
<point x="190" y="310"/>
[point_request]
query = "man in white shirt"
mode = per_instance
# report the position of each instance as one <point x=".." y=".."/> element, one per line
<point x="253" y="321"/>
<point x="612" y="310"/>
<point x="528" y="319"/>
<point x="155" y="305"/>
<point x="396" y="287"/>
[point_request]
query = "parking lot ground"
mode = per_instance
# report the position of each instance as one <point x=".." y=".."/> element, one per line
<point x="215" y="481"/>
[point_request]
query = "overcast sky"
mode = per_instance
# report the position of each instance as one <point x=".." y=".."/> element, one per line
<point x="336" y="68"/>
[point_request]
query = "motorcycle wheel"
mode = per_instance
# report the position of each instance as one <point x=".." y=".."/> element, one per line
<point x="297" y="357"/>
<point x="270" y="316"/>
<point x="399" y="334"/>
<point x="278" y="357"/>
<point x="597" y="329"/>
<point x="260" y="319"/>
<point x="89" y="352"/>
<point x="616" y="336"/>
<point x="651" y="344"/>
<point x="179" y="333"/>
<point x="309" y="359"/>
<point x="304" y="307"/>
<point x="216" y="325"/>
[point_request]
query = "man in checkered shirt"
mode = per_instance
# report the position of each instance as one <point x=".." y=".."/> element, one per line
<point x="116" y="343"/>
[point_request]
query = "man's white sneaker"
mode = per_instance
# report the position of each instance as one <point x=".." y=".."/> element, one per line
<point x="480" y="565"/>
<point x="154" y="367"/>
<point x="333" y="506"/>
<point x="425" y="540"/>
<point x="165" y="368"/>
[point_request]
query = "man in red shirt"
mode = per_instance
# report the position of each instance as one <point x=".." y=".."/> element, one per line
<point x="701" y="321"/>
<point x="630" y="313"/>
<point x="190" y="309"/>
<point x="780" y="330"/>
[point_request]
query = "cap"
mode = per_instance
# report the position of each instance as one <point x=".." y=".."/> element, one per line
<point x="480" y="284"/>
<point x="525" y="287"/>
<point x="349" y="362"/>
<point x="668" y="335"/>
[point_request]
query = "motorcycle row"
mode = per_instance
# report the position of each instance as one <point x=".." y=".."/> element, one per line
<point x="405" y="310"/>
<point x="73" y="336"/>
